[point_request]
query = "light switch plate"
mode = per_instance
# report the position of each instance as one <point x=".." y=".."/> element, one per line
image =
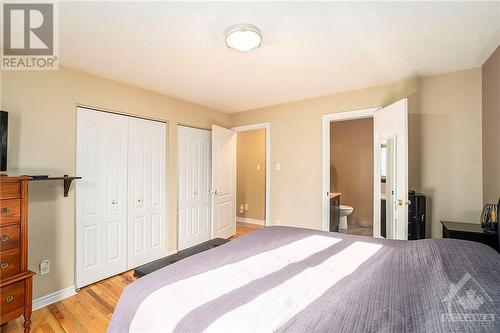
<point x="278" y="166"/>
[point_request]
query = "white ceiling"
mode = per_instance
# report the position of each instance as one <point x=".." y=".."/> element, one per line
<point x="308" y="50"/>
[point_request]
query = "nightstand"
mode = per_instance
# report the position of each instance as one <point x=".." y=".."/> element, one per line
<point x="469" y="231"/>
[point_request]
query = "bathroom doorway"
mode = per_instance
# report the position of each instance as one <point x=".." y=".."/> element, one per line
<point x="351" y="173"/>
<point x="388" y="159"/>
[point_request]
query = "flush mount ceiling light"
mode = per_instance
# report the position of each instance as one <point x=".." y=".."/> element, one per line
<point x="243" y="38"/>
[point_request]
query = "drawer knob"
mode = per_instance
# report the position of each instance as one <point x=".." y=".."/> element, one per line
<point x="5" y="210"/>
<point x="4" y="238"/>
<point x="4" y="265"/>
<point x="9" y="298"/>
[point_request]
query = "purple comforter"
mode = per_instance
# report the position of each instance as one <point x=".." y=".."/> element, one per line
<point x="297" y="280"/>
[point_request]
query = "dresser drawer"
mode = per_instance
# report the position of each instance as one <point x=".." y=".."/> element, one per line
<point x="10" y="190"/>
<point x="9" y="237"/>
<point x="12" y="297"/>
<point x="10" y="211"/>
<point x="9" y="263"/>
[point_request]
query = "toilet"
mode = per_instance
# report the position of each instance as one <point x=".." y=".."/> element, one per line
<point x="344" y="212"/>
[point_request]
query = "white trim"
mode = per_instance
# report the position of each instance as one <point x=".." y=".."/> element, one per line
<point x="53" y="297"/>
<point x="327" y="119"/>
<point x="250" y="221"/>
<point x="267" y="127"/>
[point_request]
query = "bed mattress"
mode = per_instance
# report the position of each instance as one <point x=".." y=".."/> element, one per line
<point x="300" y="280"/>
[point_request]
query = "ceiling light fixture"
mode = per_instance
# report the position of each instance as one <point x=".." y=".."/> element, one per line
<point x="243" y="38"/>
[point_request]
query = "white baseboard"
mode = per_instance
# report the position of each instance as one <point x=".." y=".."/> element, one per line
<point x="249" y="220"/>
<point x="53" y="297"/>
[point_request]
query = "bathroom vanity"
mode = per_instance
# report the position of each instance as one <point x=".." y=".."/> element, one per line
<point x="334" y="211"/>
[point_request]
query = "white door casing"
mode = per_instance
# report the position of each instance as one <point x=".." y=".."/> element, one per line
<point x="391" y="122"/>
<point x="194" y="182"/>
<point x="146" y="191"/>
<point x="223" y="182"/>
<point x="101" y="195"/>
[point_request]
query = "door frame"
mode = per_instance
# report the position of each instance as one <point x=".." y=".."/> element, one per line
<point x="267" y="127"/>
<point x="327" y="119"/>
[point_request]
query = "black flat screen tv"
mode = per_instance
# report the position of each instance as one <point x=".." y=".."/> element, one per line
<point x="4" y="121"/>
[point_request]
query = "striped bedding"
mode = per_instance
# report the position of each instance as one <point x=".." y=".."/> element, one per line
<point x="284" y="279"/>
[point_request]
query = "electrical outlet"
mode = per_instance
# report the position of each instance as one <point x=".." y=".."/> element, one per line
<point x="278" y="166"/>
<point x="246" y="206"/>
<point x="258" y="167"/>
<point x="44" y="267"/>
<point x="278" y="222"/>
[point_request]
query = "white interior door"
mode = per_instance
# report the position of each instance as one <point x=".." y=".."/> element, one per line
<point x="223" y="182"/>
<point x="101" y="195"/>
<point x="194" y="181"/>
<point x="146" y="191"/>
<point x="391" y="169"/>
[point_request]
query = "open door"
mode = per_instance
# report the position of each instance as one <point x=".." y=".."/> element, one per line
<point x="223" y="182"/>
<point x="390" y="129"/>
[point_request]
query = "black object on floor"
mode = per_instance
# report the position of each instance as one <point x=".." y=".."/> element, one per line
<point x="160" y="263"/>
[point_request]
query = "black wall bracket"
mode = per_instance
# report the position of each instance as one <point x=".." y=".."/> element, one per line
<point x="66" y="179"/>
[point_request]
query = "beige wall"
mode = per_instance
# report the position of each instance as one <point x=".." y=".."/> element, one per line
<point x="251" y="183"/>
<point x="491" y="128"/>
<point x="42" y="120"/>
<point x="351" y="167"/>
<point x="445" y="146"/>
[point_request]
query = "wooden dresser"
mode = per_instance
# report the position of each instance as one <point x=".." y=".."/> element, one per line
<point x="15" y="278"/>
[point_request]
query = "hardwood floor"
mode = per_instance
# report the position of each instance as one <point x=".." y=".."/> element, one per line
<point x="245" y="228"/>
<point x="91" y="309"/>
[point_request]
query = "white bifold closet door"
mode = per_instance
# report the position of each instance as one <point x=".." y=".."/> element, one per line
<point x="146" y="184"/>
<point x="120" y="201"/>
<point x="194" y="180"/>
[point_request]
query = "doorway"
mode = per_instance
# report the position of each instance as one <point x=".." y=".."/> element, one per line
<point x="390" y="170"/>
<point x="351" y="174"/>
<point x="253" y="177"/>
<point x="250" y="180"/>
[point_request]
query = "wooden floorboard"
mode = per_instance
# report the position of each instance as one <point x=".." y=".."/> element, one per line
<point x="90" y="310"/>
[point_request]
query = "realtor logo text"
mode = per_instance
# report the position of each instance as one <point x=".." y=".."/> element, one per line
<point x="29" y="32"/>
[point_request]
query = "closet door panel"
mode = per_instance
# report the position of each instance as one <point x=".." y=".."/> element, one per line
<point x="101" y="209"/>
<point x="147" y="166"/>
<point x="194" y="179"/>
